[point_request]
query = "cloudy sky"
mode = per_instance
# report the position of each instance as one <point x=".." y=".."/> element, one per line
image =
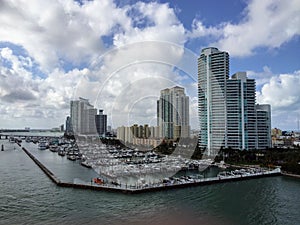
<point x="120" y="54"/>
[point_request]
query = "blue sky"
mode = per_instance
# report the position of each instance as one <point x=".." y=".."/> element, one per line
<point x="108" y="51"/>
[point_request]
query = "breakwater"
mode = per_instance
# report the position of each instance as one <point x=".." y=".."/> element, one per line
<point x="42" y="167"/>
<point x="157" y="187"/>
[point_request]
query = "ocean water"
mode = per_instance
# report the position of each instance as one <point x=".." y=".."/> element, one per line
<point x="27" y="196"/>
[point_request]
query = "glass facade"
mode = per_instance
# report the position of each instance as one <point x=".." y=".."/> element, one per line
<point x="228" y="114"/>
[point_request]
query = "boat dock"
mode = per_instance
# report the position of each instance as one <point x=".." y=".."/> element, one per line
<point x="129" y="189"/>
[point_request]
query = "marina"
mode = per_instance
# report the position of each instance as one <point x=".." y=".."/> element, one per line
<point x="162" y="183"/>
<point x="119" y="164"/>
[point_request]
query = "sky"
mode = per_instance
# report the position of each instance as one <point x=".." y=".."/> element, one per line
<point x="120" y="54"/>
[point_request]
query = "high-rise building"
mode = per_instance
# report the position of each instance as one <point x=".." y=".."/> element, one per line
<point x="173" y="113"/>
<point x="241" y="114"/>
<point x="263" y="118"/>
<point x="83" y="117"/>
<point x="213" y="73"/>
<point x="228" y="115"/>
<point x="154" y="132"/>
<point x="134" y="129"/>
<point x="128" y="135"/>
<point x="101" y="123"/>
<point x="76" y="112"/>
<point x="61" y="128"/>
<point x="121" y="133"/>
<point x="69" y="128"/>
<point x="109" y="129"/>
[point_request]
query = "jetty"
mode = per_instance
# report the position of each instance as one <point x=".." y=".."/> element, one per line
<point x="142" y="188"/>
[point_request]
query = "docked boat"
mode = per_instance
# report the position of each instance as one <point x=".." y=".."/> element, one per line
<point x="42" y="145"/>
<point x="222" y="165"/>
<point x="61" y="153"/>
<point x="11" y="139"/>
<point x="53" y="148"/>
<point x="86" y="164"/>
<point x="98" y="180"/>
<point x="71" y="157"/>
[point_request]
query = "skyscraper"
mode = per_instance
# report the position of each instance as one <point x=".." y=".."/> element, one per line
<point x="263" y="126"/>
<point x="101" y="123"/>
<point x="83" y="116"/>
<point x="173" y="113"/>
<point x="241" y="114"/>
<point x="227" y="112"/>
<point x="213" y="72"/>
<point x="69" y="128"/>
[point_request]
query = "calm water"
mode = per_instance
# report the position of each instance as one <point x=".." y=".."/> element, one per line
<point x="27" y="196"/>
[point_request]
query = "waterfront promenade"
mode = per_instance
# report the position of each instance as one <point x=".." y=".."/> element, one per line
<point x="140" y="188"/>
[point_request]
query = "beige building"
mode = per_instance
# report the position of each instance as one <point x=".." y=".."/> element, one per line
<point x="83" y="116"/>
<point x="139" y="135"/>
<point x="173" y="113"/>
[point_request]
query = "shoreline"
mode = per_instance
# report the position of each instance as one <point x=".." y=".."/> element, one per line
<point x="284" y="173"/>
<point x="290" y="175"/>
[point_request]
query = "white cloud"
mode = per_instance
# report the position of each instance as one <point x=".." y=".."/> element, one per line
<point x="265" y="24"/>
<point x="282" y="92"/>
<point x="261" y="77"/>
<point x="162" y="22"/>
<point x="200" y="30"/>
<point x="24" y="96"/>
<point x="268" y="24"/>
<point x="125" y="76"/>
<point x="137" y="71"/>
<point x="67" y="31"/>
<point x="52" y="31"/>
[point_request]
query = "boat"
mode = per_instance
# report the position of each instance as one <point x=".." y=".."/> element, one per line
<point x="11" y="139"/>
<point x="222" y="165"/>
<point x="86" y="164"/>
<point x="98" y="180"/>
<point x="53" y="148"/>
<point x="42" y="145"/>
<point x="71" y="157"/>
<point x="61" y="153"/>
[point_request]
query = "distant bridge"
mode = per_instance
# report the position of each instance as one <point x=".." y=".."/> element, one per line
<point x="13" y="130"/>
<point x="6" y="135"/>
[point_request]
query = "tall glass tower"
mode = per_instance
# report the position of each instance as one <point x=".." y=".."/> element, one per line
<point x="241" y="114"/>
<point x="228" y="114"/>
<point x="263" y="126"/>
<point x="173" y="113"/>
<point x="213" y="72"/>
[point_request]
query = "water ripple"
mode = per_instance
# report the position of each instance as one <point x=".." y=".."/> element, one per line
<point x="27" y="196"/>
